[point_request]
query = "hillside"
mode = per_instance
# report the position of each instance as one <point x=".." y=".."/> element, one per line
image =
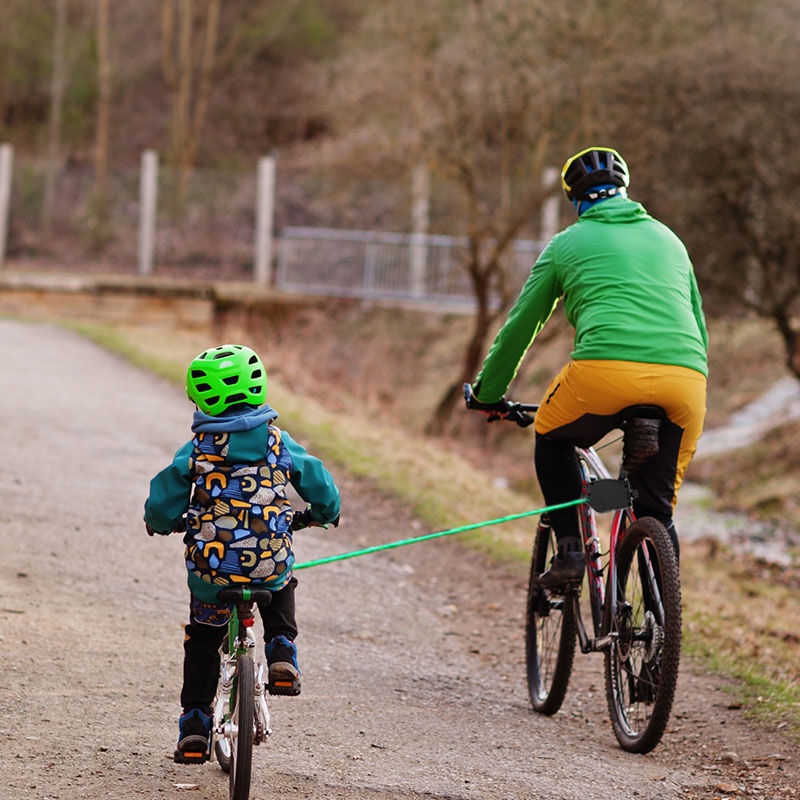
<point x="394" y="364"/>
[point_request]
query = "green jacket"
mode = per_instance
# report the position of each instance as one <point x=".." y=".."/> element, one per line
<point x="629" y="291"/>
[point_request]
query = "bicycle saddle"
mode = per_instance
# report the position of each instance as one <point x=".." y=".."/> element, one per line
<point x="245" y="594"/>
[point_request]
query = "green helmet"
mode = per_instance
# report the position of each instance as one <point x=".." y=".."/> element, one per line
<point x="225" y="376"/>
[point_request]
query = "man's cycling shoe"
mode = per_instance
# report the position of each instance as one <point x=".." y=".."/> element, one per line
<point x="565" y="569"/>
<point x="284" y="673"/>
<point x="194" y="738"/>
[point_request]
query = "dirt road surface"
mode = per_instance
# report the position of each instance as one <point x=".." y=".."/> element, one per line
<point x="412" y="661"/>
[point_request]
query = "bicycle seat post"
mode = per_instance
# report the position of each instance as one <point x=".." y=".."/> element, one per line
<point x="640" y="427"/>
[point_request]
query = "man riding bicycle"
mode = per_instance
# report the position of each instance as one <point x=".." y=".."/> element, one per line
<point x="630" y="293"/>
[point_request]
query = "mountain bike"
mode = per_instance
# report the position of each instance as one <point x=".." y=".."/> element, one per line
<point x="634" y="595"/>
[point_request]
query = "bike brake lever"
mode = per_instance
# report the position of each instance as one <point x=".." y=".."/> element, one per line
<point x="519" y="417"/>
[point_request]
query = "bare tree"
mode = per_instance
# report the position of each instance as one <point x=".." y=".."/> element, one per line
<point x="470" y="93"/>
<point x="717" y="133"/>
<point x="103" y="99"/>
<point x="746" y="226"/>
<point x="189" y="49"/>
<point x="58" y="79"/>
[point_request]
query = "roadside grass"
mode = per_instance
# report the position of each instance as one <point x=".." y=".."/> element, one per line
<point x="738" y="621"/>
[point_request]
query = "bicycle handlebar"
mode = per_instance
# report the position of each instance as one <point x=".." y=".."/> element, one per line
<point x="521" y="414"/>
<point x="303" y="519"/>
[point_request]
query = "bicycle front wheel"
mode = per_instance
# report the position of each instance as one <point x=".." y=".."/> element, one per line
<point x="645" y="624"/>
<point x="550" y="631"/>
<point x="242" y="728"/>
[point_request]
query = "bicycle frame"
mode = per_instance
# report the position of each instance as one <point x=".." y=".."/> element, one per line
<point x="593" y="468"/>
<point x="240" y="640"/>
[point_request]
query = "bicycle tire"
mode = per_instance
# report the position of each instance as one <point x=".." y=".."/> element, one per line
<point x="550" y="632"/>
<point x="643" y="659"/>
<point x="243" y="728"/>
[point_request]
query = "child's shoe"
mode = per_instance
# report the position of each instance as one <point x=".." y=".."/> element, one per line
<point x="194" y="737"/>
<point x="284" y="672"/>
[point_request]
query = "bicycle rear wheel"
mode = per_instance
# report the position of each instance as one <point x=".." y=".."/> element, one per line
<point x="242" y="728"/>
<point x="550" y="631"/>
<point x="643" y="658"/>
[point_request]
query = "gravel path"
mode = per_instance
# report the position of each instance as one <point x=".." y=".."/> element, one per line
<point x="413" y="663"/>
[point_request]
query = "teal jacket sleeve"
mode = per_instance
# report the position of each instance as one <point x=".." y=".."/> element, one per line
<point x="313" y="482"/>
<point x="170" y="492"/>
<point x="534" y="306"/>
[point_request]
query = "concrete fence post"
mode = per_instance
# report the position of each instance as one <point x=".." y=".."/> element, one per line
<point x="148" y="204"/>
<point x="265" y="212"/>
<point x="550" y="207"/>
<point x="420" y="220"/>
<point x="6" y="172"/>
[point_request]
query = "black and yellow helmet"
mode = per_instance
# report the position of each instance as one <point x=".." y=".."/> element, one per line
<point x="595" y="166"/>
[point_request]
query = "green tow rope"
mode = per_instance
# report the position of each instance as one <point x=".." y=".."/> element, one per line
<point x="402" y="542"/>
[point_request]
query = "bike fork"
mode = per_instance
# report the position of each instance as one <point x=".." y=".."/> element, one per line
<point x="262" y="710"/>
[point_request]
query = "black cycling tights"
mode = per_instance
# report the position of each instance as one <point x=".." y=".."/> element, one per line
<point x="559" y="474"/>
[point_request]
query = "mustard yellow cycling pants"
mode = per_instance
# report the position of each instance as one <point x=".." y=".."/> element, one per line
<point x="582" y="401"/>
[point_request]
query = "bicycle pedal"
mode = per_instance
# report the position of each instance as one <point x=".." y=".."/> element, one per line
<point x="286" y="688"/>
<point x="192" y="750"/>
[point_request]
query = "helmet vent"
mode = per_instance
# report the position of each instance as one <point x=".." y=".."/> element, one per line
<point x="226" y="376"/>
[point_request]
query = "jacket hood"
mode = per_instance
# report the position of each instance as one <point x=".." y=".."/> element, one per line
<point x="242" y="418"/>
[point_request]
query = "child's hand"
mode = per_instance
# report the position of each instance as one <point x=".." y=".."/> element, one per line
<point x="303" y="519"/>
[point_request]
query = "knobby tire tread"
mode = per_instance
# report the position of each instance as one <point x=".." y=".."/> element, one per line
<point x="646" y="531"/>
<point x="548" y="673"/>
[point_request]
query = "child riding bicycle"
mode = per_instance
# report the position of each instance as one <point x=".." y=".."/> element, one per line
<point x="629" y="290"/>
<point x="227" y="489"/>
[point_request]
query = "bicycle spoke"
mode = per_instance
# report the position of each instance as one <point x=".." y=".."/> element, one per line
<point x="642" y="662"/>
<point x="550" y="633"/>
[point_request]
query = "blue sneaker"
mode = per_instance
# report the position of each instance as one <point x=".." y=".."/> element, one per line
<point x="284" y="672"/>
<point x="194" y="738"/>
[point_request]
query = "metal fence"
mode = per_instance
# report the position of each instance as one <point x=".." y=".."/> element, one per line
<point x="207" y="231"/>
<point x="386" y="266"/>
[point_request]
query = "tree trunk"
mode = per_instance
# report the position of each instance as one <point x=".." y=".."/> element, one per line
<point x="791" y="340"/>
<point x="473" y="354"/>
<point x="103" y="104"/>
<point x="57" y="83"/>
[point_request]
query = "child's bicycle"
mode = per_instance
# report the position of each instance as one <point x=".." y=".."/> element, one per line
<point x="634" y="595"/>
<point x="241" y="717"/>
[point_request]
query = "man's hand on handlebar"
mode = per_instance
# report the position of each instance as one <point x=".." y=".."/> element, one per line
<point x="502" y="409"/>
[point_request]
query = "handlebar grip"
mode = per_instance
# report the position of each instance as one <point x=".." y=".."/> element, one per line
<point x="302" y="519"/>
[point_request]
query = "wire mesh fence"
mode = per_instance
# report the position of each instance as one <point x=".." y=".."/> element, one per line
<point x="386" y="266"/>
<point x="205" y="230"/>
